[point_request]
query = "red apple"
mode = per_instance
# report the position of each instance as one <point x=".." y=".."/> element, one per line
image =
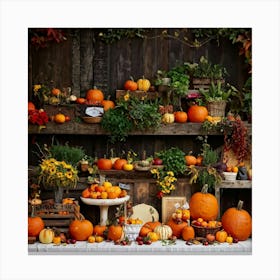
<point x="157" y="161"/>
<point x="210" y="237"/>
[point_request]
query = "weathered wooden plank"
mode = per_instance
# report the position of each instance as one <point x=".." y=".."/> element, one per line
<point x="86" y="57"/>
<point x="76" y="59"/>
<point x="90" y="129"/>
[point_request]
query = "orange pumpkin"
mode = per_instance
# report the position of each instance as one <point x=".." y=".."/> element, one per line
<point x="199" y="160"/>
<point x="119" y="163"/>
<point x="148" y="227"/>
<point x="190" y="160"/>
<point x="221" y="236"/>
<point x="188" y="233"/>
<point x="31" y="106"/>
<point x="59" y="118"/>
<point x="104" y="164"/>
<point x="197" y="113"/>
<point x="95" y="95"/>
<point x="115" y="232"/>
<point x="204" y="205"/>
<point x="80" y="229"/>
<point x="237" y="222"/>
<point x="99" y="230"/>
<point x="130" y="85"/>
<point x="35" y="225"/>
<point x="56" y="91"/>
<point x="86" y="193"/>
<point x="108" y="104"/>
<point x="181" y="117"/>
<point x="80" y="100"/>
<point x="177" y="228"/>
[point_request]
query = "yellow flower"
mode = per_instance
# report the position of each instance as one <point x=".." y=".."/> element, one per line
<point x="126" y="97"/>
<point x="36" y="87"/>
<point x="69" y="174"/>
<point x="52" y="170"/>
<point x="59" y="174"/>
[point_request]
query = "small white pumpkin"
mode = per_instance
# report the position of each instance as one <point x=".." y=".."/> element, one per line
<point x="164" y="231"/>
<point x="46" y="235"/>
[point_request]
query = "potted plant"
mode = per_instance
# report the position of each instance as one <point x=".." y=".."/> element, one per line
<point x="204" y="72"/>
<point x="208" y="173"/>
<point x="216" y="98"/>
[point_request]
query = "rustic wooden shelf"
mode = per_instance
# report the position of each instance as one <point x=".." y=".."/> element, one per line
<point x="73" y="127"/>
<point x="237" y="184"/>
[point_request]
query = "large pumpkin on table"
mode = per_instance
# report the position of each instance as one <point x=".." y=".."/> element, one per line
<point x="35" y="225"/>
<point x="80" y="229"/>
<point x="237" y="222"/>
<point x="204" y="205"/>
<point x="197" y="113"/>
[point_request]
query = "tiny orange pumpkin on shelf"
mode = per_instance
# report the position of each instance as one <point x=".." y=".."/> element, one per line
<point x="181" y="117"/>
<point x="130" y="85"/>
<point x="94" y="95"/>
<point x="197" y="113"/>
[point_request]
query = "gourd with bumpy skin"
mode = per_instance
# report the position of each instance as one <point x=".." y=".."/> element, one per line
<point x="237" y="222"/>
<point x="35" y="225"/>
<point x="204" y="205"/>
<point x="143" y="84"/>
<point x="46" y="236"/>
<point x="168" y="118"/>
<point x="164" y="231"/>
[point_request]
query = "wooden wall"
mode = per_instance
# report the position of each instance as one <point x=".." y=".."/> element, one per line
<point x="83" y="61"/>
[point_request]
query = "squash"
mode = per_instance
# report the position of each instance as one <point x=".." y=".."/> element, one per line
<point x="143" y="84"/>
<point x="204" y="205"/>
<point x="80" y="229"/>
<point x="108" y="104"/>
<point x="46" y="235"/>
<point x="168" y="118"/>
<point x="177" y="228"/>
<point x="115" y="232"/>
<point x="181" y="117"/>
<point x="95" y="96"/>
<point x="104" y="164"/>
<point x="197" y="113"/>
<point x="130" y="85"/>
<point x="188" y="232"/>
<point x="153" y="236"/>
<point x="164" y="231"/>
<point x="190" y="160"/>
<point x="148" y="227"/>
<point x="35" y="225"/>
<point x="237" y="222"/>
<point x="221" y="236"/>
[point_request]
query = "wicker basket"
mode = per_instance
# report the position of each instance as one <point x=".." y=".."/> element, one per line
<point x="217" y="108"/>
<point x="92" y="119"/>
<point x="203" y="231"/>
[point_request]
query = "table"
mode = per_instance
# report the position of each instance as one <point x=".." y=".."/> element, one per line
<point x="236" y="184"/>
<point x="104" y="205"/>
<point x="156" y="248"/>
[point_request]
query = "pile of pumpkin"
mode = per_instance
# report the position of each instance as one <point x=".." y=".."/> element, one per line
<point x="104" y="191"/>
<point x="235" y="225"/>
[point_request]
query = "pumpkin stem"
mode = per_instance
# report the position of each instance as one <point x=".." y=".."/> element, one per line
<point x="240" y="205"/>
<point x="204" y="189"/>
<point x="131" y="78"/>
<point x="32" y="210"/>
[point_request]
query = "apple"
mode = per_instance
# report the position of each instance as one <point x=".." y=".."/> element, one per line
<point x="157" y="161"/>
<point x="210" y="237"/>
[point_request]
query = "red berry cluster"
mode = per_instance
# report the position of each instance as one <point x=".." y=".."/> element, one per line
<point x="238" y="140"/>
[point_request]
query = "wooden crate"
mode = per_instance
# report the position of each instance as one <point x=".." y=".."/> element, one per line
<point x="57" y="215"/>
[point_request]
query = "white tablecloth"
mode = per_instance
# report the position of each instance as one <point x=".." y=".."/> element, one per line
<point x="107" y="248"/>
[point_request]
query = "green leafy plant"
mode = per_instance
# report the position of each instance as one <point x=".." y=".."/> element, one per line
<point x="206" y="174"/>
<point x="173" y="160"/>
<point x="130" y="113"/>
<point x="217" y="92"/>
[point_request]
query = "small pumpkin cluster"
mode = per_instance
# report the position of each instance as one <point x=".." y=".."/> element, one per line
<point x="141" y="84"/>
<point x="104" y="191"/>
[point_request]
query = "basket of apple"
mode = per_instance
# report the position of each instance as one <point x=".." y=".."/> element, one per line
<point x="132" y="228"/>
<point x="202" y="227"/>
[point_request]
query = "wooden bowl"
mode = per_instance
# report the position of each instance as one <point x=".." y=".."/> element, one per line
<point x="92" y="119"/>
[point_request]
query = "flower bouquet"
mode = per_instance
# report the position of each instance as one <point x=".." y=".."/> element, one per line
<point x="58" y="175"/>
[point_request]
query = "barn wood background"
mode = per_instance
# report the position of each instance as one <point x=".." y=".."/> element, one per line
<point x="83" y="61"/>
